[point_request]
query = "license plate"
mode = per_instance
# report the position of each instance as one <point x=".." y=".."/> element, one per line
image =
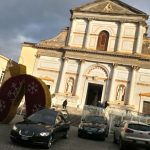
<point x="140" y="142"/>
<point x="24" y="138"/>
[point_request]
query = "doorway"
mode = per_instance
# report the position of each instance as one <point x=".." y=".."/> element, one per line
<point x="94" y="94"/>
<point x="146" y="106"/>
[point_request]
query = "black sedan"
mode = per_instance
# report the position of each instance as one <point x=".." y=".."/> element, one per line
<point x="93" y="126"/>
<point x="42" y="127"/>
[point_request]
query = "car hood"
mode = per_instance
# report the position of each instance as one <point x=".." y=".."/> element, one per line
<point x="34" y="127"/>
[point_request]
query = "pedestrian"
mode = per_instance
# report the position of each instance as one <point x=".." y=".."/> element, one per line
<point x="100" y="106"/>
<point x="106" y="104"/>
<point x="64" y="105"/>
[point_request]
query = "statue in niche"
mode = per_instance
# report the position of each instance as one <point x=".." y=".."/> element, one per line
<point x="69" y="85"/>
<point x="120" y="93"/>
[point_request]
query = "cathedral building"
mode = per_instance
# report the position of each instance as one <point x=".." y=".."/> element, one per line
<point x="103" y="56"/>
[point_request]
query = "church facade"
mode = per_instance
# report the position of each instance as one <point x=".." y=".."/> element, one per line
<point x="103" y="56"/>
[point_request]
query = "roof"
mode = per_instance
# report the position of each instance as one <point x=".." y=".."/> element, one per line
<point x="58" y="41"/>
<point x="109" y="7"/>
<point x="3" y="57"/>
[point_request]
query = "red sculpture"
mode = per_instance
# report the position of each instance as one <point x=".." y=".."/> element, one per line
<point x="36" y="94"/>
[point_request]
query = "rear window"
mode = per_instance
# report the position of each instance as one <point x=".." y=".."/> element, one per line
<point x="94" y="119"/>
<point x="139" y="127"/>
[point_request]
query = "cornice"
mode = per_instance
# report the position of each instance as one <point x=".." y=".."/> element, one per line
<point x="96" y="56"/>
<point x="125" y="19"/>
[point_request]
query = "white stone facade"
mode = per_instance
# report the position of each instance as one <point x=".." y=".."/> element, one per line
<point x="120" y="71"/>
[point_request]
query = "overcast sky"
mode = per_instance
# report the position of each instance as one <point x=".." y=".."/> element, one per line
<point x="35" y="20"/>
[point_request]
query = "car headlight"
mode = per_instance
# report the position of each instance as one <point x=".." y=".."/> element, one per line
<point x="101" y="130"/>
<point x="44" y="134"/>
<point x="14" y="127"/>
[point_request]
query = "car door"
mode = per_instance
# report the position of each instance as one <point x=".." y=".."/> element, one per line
<point x="65" y="125"/>
<point x="59" y="126"/>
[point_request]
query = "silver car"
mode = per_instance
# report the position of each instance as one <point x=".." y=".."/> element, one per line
<point x="132" y="133"/>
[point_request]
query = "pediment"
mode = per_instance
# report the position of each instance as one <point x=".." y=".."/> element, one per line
<point x="109" y="7"/>
<point x="58" y="41"/>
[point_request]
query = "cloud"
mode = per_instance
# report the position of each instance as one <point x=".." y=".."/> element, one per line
<point x="30" y="21"/>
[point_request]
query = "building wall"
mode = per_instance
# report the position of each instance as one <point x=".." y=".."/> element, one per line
<point x="28" y="58"/>
<point x="128" y="39"/>
<point x="3" y="66"/>
<point x="68" y="76"/>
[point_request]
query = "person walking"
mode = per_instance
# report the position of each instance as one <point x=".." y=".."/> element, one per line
<point x="64" y="105"/>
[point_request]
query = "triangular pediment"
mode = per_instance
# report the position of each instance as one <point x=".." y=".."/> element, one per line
<point x="109" y="7"/>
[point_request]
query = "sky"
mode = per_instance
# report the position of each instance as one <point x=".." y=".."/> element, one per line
<point x="35" y="20"/>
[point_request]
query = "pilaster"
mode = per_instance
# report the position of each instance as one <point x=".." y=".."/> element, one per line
<point x="139" y="39"/>
<point x="112" y="83"/>
<point x="62" y="76"/>
<point x="87" y="33"/>
<point x="120" y="36"/>
<point x="77" y="92"/>
<point x="132" y="84"/>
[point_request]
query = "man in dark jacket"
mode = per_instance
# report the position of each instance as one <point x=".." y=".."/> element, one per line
<point x="64" y="105"/>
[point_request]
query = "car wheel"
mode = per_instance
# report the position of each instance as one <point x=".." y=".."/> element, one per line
<point x="66" y="136"/>
<point x="121" y="145"/>
<point x="49" y="143"/>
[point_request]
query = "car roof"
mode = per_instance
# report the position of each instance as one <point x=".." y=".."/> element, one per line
<point x="136" y="122"/>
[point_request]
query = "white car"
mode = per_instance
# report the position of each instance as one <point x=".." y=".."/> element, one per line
<point x="132" y="133"/>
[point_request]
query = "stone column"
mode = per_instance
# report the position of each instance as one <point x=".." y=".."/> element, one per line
<point x="87" y="34"/>
<point x="77" y="92"/>
<point x="120" y="37"/>
<point x="139" y="39"/>
<point x="71" y="31"/>
<point x="112" y="84"/>
<point x="62" y="76"/>
<point x="132" y="84"/>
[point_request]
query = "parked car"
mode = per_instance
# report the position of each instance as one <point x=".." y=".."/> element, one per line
<point x="93" y="126"/>
<point x="66" y="114"/>
<point x="132" y="133"/>
<point x="43" y="127"/>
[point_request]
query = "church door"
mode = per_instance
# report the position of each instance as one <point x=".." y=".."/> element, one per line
<point x="94" y="94"/>
<point x="102" y="42"/>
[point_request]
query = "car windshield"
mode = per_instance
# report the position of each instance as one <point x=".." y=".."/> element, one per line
<point x="139" y="127"/>
<point x="45" y="116"/>
<point x="94" y="119"/>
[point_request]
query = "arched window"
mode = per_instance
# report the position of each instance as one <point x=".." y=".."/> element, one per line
<point x="102" y="42"/>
